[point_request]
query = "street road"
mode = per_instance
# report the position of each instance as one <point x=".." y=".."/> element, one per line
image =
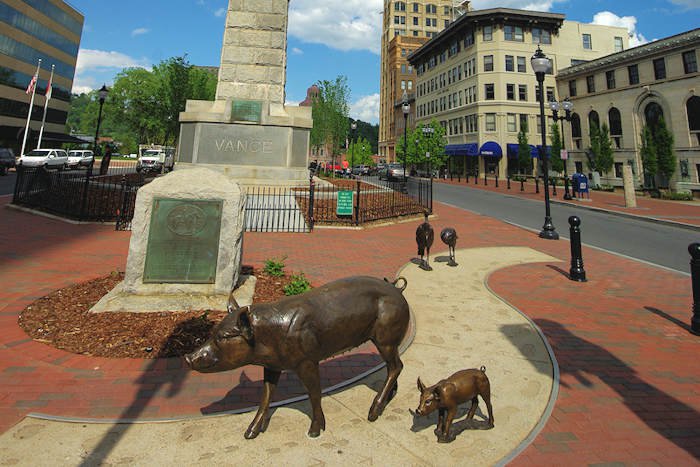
<point x="656" y="243"/>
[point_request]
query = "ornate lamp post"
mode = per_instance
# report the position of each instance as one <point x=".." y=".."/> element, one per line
<point x="103" y="95"/>
<point x="406" y="107"/>
<point x="353" y="127"/>
<point x="567" y="106"/>
<point x="540" y="64"/>
<point x="428" y="132"/>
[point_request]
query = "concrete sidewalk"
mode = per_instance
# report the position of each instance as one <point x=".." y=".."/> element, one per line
<point x="629" y="391"/>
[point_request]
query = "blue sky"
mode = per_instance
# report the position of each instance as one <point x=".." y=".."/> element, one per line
<point x="326" y="38"/>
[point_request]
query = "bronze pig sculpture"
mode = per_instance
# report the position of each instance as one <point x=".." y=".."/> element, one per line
<point x="448" y="393"/>
<point x="297" y="332"/>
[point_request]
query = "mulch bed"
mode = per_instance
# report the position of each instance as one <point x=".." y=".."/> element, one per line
<point x="61" y="319"/>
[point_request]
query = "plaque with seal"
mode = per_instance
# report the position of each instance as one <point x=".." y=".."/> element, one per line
<point x="183" y="241"/>
<point x="246" y="111"/>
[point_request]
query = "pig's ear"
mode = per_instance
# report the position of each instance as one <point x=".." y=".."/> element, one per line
<point x="244" y="326"/>
<point x="421" y="386"/>
<point x="436" y="394"/>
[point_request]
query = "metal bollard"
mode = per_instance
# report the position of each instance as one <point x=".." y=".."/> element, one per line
<point x="576" y="273"/>
<point x="537" y="185"/>
<point x="476" y="179"/>
<point x="509" y="182"/>
<point x="522" y="184"/>
<point x="554" y="186"/>
<point x="496" y="180"/>
<point x="486" y="180"/>
<point x="694" y="250"/>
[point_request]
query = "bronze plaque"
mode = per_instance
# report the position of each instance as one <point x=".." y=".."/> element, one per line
<point x="246" y="111"/>
<point x="183" y="241"/>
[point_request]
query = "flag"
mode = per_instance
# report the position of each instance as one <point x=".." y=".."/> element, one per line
<point x="32" y="84"/>
<point x="48" y="90"/>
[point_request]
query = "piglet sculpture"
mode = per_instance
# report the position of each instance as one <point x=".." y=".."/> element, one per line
<point x="297" y="332"/>
<point x="448" y="393"/>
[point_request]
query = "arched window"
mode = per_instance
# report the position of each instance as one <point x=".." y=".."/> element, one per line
<point x="652" y="114"/>
<point x="615" y="126"/>
<point x="693" y="109"/>
<point x="576" y="130"/>
<point x="593" y="119"/>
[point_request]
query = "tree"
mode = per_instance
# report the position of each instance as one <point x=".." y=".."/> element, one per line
<point x="330" y="114"/>
<point x="362" y="152"/>
<point x="421" y="143"/>
<point x="556" y="163"/>
<point x="648" y="154"/>
<point x="604" y="160"/>
<point x="369" y="132"/>
<point x="594" y="149"/>
<point x="663" y="142"/>
<point x="524" y="151"/>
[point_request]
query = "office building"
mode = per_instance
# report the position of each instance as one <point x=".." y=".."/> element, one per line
<point x="30" y="30"/>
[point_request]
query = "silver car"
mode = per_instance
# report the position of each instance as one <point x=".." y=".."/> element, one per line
<point x="47" y="158"/>
<point x="80" y="157"/>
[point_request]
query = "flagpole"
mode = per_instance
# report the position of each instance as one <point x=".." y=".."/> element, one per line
<point x="31" y="104"/>
<point x="46" y="107"/>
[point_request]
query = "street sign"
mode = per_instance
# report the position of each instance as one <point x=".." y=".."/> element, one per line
<point x="564" y="154"/>
<point x="344" y="203"/>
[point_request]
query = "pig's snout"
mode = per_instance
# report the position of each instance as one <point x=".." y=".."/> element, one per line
<point x="419" y="412"/>
<point x="201" y="359"/>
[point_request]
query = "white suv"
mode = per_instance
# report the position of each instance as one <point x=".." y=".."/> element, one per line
<point x="47" y="158"/>
<point x="79" y="157"/>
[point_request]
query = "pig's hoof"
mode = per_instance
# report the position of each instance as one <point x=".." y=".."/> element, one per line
<point x="373" y="414"/>
<point x="251" y="433"/>
<point x="314" y="433"/>
<point x="445" y="438"/>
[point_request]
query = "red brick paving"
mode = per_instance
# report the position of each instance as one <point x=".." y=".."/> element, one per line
<point x="629" y="389"/>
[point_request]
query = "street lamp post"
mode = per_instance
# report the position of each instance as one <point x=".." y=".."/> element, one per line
<point x="428" y="132"/>
<point x="540" y="64"/>
<point x="567" y="106"/>
<point x="406" y="107"/>
<point x="103" y="95"/>
<point x="353" y="127"/>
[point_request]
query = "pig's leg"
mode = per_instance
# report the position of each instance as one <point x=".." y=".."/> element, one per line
<point x="487" y="398"/>
<point x="440" y="428"/>
<point x="259" y="423"/>
<point x="472" y="409"/>
<point x="448" y="437"/>
<point x="308" y="373"/>
<point x="390" y="354"/>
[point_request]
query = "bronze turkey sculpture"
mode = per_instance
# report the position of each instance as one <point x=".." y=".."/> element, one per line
<point x="424" y="238"/>
<point x="449" y="238"/>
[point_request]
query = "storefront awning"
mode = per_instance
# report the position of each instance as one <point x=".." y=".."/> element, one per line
<point x="491" y="148"/>
<point x="468" y="149"/>
<point x="536" y="151"/>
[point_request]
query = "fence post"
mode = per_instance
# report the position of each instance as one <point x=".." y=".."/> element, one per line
<point x="522" y="184"/>
<point x="431" y="196"/>
<point x="357" y="204"/>
<point x="312" y="185"/>
<point x="694" y="250"/>
<point x="486" y="180"/>
<point x="122" y="213"/>
<point x="537" y="185"/>
<point x="496" y="179"/>
<point x="86" y="185"/>
<point x="576" y="273"/>
<point x="19" y="182"/>
<point x="554" y="186"/>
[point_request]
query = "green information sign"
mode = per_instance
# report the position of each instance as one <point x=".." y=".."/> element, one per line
<point x="183" y="241"/>
<point x="344" y="206"/>
<point x="246" y="111"/>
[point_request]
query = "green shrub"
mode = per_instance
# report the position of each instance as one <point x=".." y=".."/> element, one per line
<point x="677" y="195"/>
<point x="298" y="285"/>
<point x="604" y="188"/>
<point x="275" y="266"/>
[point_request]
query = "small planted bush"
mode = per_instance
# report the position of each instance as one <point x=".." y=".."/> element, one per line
<point x="275" y="266"/>
<point x="298" y="285"/>
<point x="677" y="195"/>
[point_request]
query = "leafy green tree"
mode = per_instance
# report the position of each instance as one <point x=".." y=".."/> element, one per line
<point x="361" y="152"/>
<point x="330" y="114"/>
<point x="421" y="143"/>
<point x="647" y="151"/>
<point x="369" y="132"/>
<point x="524" y="151"/>
<point x="604" y="161"/>
<point x="555" y="161"/>
<point x="594" y="149"/>
<point x="663" y="142"/>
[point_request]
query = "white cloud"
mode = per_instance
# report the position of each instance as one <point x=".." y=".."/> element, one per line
<point x="366" y="109"/>
<point x="339" y="24"/>
<point x="542" y="5"/>
<point x="97" y="61"/>
<point x="297" y="51"/>
<point x="607" y="18"/>
<point x="687" y="3"/>
<point x="220" y="12"/>
<point x="139" y="31"/>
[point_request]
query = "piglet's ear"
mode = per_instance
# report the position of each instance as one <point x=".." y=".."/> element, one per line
<point x="436" y="394"/>
<point x="244" y="325"/>
<point x="421" y="386"/>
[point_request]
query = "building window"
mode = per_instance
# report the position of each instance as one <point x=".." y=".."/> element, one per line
<point x="410" y="85"/>
<point x="416" y="7"/>
<point x="633" y="73"/>
<point x="576" y="130"/>
<point x="653" y="113"/>
<point x="469" y="39"/>
<point x="615" y="122"/>
<point x="659" y="68"/>
<point x="447" y="23"/>
<point x="690" y="62"/>
<point x="510" y="64"/>
<point x="489" y="92"/>
<point x="487" y="33"/>
<point x="523" y="122"/>
<point x="619" y="47"/>
<point x="513" y="33"/>
<point x="590" y="84"/>
<point x="610" y="79"/>
<point x="403" y="84"/>
<point x="510" y="92"/>
<point x="593" y="120"/>
<point x="432" y="9"/>
<point x="403" y="68"/>
<point x="490" y="122"/>
<point x="587" y="44"/>
<point x="522" y="92"/>
<point x="399" y="6"/>
<point x="618" y="169"/>
<point x="415" y="33"/>
<point x="522" y="68"/>
<point x="415" y="22"/>
<point x="488" y="62"/>
<point x="572" y="88"/>
<point x="510" y="123"/>
<point x="693" y="109"/>
<point x="541" y="36"/>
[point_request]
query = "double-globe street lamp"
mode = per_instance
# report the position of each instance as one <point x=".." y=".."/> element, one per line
<point x="353" y="127"/>
<point x="540" y="64"/>
<point x="406" y="107"/>
<point x="566" y="105"/>
<point x="428" y="132"/>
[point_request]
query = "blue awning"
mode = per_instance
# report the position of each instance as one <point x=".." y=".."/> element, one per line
<point x="536" y="151"/>
<point x="469" y="149"/>
<point x="491" y="148"/>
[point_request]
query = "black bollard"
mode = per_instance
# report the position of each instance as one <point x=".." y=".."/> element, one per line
<point x="576" y="273"/>
<point x="459" y="178"/>
<point x="694" y="250"/>
<point x="508" y="182"/>
<point x="497" y="180"/>
<point x="466" y="177"/>
<point x="522" y="184"/>
<point x="554" y="186"/>
<point x="476" y="179"/>
<point x="486" y="180"/>
<point x="537" y="185"/>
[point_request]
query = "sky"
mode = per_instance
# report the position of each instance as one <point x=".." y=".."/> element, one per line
<point x="327" y="38"/>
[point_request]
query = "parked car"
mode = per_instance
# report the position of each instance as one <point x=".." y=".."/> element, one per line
<point x="156" y="160"/>
<point x="360" y="170"/>
<point x="393" y="172"/>
<point x="47" y="158"/>
<point x="7" y="160"/>
<point x="80" y="157"/>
